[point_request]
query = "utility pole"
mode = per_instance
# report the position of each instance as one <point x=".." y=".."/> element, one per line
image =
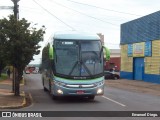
<point x="15" y="82"/>
<point x="16" y="8"/>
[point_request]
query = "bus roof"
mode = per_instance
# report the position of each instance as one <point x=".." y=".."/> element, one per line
<point x="74" y="35"/>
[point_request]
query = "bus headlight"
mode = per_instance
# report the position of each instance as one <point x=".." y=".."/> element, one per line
<point x="99" y="91"/>
<point x="59" y="91"/>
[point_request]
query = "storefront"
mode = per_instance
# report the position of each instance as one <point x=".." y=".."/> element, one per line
<point x="140" y="49"/>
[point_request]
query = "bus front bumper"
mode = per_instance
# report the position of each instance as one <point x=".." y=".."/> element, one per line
<point x="64" y="91"/>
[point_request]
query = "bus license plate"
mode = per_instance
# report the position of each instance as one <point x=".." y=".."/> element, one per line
<point x="80" y="92"/>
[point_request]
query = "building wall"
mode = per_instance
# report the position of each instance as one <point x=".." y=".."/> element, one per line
<point x="115" y="53"/>
<point x="126" y="64"/>
<point x="151" y="64"/>
<point x="141" y="32"/>
<point x="113" y="61"/>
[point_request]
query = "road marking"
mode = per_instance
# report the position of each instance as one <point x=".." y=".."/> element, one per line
<point x="114" y="101"/>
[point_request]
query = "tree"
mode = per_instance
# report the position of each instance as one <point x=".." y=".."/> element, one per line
<point x="21" y="43"/>
<point x="2" y="62"/>
<point x="2" y="41"/>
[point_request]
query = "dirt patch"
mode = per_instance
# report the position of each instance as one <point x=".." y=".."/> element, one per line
<point x="134" y="85"/>
<point x="11" y="101"/>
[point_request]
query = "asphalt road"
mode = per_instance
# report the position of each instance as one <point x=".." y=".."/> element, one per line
<point x="113" y="100"/>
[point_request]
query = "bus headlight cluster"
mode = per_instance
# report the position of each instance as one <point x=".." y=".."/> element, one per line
<point x="99" y="83"/>
<point x="60" y="83"/>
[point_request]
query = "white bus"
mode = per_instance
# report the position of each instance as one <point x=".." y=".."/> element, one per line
<point x="73" y="65"/>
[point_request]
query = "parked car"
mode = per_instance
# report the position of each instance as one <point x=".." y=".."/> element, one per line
<point x="111" y="75"/>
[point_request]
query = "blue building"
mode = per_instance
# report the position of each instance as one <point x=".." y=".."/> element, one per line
<point x="140" y="48"/>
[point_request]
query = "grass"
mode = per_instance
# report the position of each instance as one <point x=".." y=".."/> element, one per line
<point x="3" y="77"/>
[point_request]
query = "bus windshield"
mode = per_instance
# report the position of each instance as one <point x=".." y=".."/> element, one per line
<point x="78" y="58"/>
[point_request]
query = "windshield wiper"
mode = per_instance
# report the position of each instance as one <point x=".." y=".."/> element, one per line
<point x="81" y="63"/>
<point x="73" y="67"/>
<point x="86" y="68"/>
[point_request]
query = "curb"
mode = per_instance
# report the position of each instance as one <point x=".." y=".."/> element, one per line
<point x="24" y="99"/>
<point x="31" y="98"/>
<point x="23" y="81"/>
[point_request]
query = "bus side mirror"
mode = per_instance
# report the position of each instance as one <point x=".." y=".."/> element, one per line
<point x="106" y="53"/>
<point x="51" y="52"/>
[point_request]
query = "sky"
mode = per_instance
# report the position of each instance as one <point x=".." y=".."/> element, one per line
<point x="94" y="16"/>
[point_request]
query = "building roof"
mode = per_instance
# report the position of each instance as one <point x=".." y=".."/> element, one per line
<point x="142" y="29"/>
<point x="115" y="52"/>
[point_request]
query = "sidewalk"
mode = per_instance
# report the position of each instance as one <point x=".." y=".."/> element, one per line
<point x="135" y="85"/>
<point x="7" y="98"/>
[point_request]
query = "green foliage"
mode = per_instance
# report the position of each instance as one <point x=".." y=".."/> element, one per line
<point x="3" y="77"/>
<point x="19" y="42"/>
<point x="2" y="63"/>
<point x="2" y="42"/>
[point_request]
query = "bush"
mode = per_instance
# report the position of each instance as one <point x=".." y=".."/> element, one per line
<point x="3" y="76"/>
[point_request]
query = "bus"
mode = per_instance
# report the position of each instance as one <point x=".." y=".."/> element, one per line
<point x="73" y="65"/>
<point x="31" y="69"/>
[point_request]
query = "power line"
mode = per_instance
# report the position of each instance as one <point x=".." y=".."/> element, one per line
<point x="103" y="8"/>
<point x="85" y="14"/>
<point x="6" y="7"/>
<point x="54" y="15"/>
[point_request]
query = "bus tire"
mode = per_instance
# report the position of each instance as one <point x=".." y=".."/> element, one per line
<point x="91" y="97"/>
